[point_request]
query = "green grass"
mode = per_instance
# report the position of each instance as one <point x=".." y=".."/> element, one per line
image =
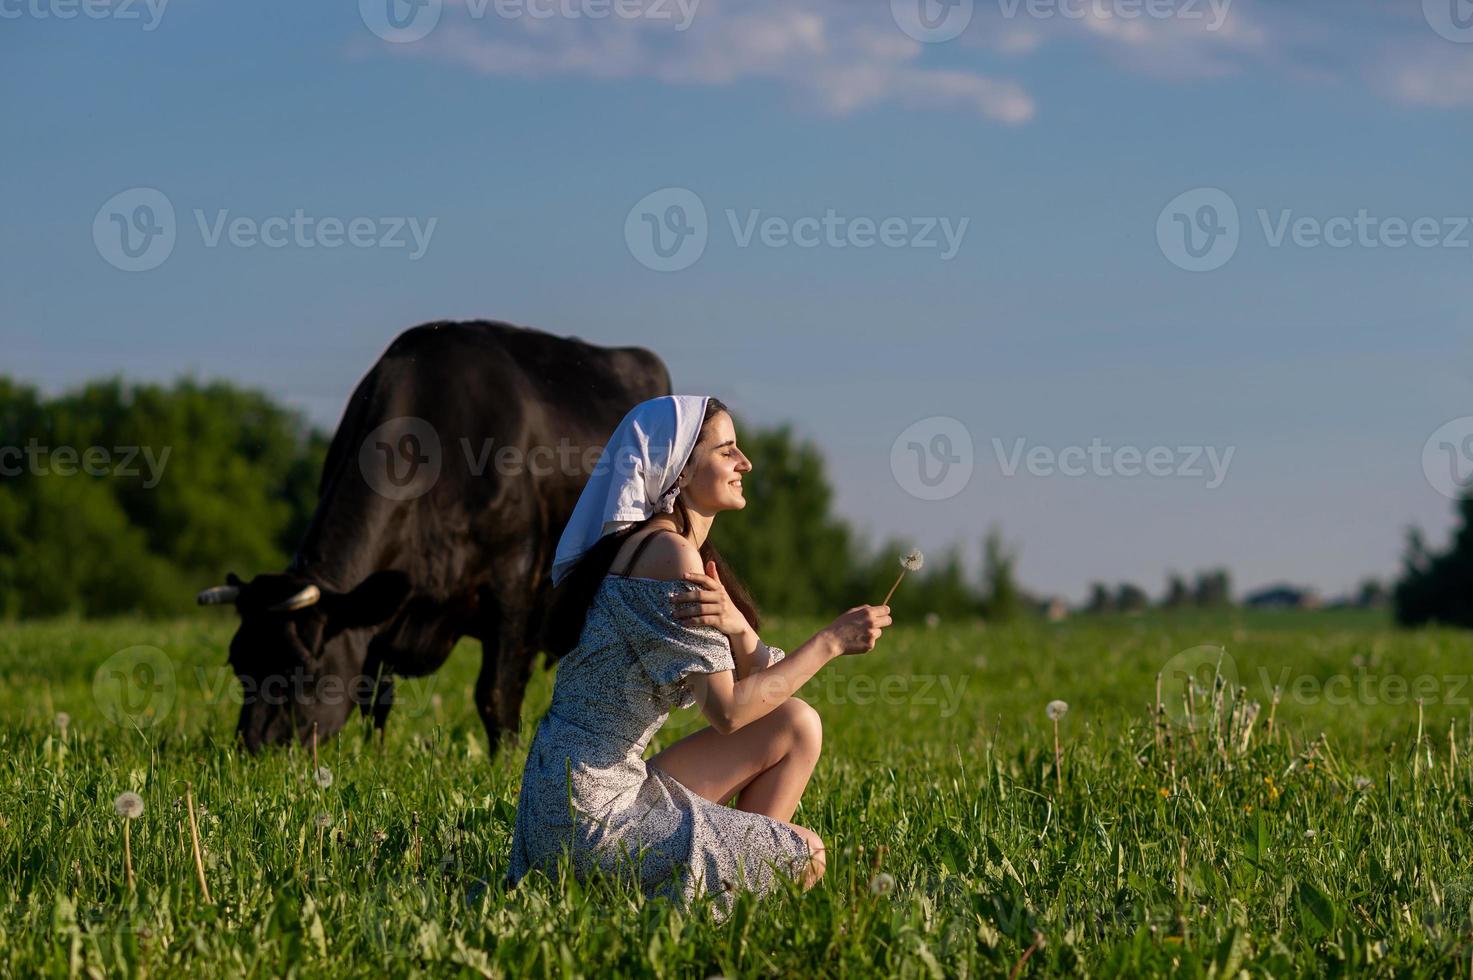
<point x="1298" y="855"/>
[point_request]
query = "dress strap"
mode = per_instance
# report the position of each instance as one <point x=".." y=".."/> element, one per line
<point x="640" y="547"/>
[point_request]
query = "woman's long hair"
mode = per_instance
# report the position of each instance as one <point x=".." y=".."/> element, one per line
<point x="571" y="599"/>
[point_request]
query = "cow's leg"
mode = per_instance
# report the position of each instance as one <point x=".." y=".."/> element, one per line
<point x="486" y="695"/>
<point x="506" y="666"/>
<point x="513" y="670"/>
<point x="377" y="701"/>
<point x="383" y="702"/>
<point x="490" y="632"/>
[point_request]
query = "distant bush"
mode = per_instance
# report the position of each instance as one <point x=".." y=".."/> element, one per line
<point x="130" y="497"/>
<point x="1438" y="588"/>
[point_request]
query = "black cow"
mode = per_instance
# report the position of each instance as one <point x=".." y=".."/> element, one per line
<point x="446" y="488"/>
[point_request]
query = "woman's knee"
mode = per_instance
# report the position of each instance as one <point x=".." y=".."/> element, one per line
<point x="817" y="856"/>
<point x="804" y="723"/>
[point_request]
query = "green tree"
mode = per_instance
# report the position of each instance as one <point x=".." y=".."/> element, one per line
<point x="1437" y="587"/>
<point x="1002" y="600"/>
<point x="1131" y="598"/>
<point x="1372" y="594"/>
<point x="1213" y="589"/>
<point x="1177" y="593"/>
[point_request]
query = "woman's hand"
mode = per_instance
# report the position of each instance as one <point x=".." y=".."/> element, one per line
<point x="711" y="606"/>
<point x="858" y="629"/>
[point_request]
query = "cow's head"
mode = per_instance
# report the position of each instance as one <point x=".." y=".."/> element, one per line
<point x="301" y="652"/>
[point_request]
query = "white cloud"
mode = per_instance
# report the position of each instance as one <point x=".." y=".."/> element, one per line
<point x="1437" y="74"/>
<point x="1205" y="40"/>
<point x="846" y="56"/>
<point x="842" y="57"/>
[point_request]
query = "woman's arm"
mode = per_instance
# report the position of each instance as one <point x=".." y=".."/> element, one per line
<point x="748" y="652"/>
<point x="730" y="703"/>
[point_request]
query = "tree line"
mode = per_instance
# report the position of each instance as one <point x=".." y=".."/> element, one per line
<point x="126" y="497"/>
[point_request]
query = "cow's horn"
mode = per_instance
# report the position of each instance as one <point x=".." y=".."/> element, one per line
<point x="219" y="595"/>
<point x="301" y="600"/>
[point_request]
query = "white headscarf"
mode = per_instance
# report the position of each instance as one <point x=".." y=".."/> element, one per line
<point x="635" y="475"/>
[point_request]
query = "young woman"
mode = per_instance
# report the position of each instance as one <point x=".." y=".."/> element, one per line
<point x="672" y="627"/>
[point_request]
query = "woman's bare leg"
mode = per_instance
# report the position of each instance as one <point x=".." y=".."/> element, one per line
<point x="767" y="763"/>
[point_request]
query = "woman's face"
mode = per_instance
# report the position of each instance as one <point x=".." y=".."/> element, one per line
<point x="714" y="472"/>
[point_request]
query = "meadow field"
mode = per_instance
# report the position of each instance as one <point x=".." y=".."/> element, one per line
<point x="1327" y="834"/>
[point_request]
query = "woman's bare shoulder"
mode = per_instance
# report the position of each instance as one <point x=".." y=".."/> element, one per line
<point x="668" y="556"/>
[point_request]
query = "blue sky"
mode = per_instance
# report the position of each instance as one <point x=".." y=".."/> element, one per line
<point x="1063" y="135"/>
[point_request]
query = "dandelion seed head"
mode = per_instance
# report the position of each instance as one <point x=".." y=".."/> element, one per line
<point x="882" y="884"/>
<point x="1362" y="783"/>
<point x="1056" y="710"/>
<point x="324" y="821"/>
<point x="323" y="777"/>
<point x="62" y="720"/>
<point x="129" y="805"/>
<point x="913" y="561"/>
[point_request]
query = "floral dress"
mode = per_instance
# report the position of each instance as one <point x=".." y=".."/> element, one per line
<point x="586" y="786"/>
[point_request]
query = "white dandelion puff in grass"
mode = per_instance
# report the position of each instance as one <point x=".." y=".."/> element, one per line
<point x="882" y="884"/>
<point x="322" y="777"/>
<point x="1056" y="710"/>
<point x="324" y="821"/>
<point x="129" y="805"/>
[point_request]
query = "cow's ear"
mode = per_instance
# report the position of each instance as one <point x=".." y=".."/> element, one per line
<point x="377" y="599"/>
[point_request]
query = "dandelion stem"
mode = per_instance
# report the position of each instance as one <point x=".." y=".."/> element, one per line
<point x="1159" y="718"/>
<point x="199" y="861"/>
<point x="128" y="854"/>
<point x="1452" y="753"/>
<point x="1018" y="966"/>
<point x="886" y="602"/>
<point x="1058" y="761"/>
<point x="1417" y="747"/>
<point x="1181" y="889"/>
